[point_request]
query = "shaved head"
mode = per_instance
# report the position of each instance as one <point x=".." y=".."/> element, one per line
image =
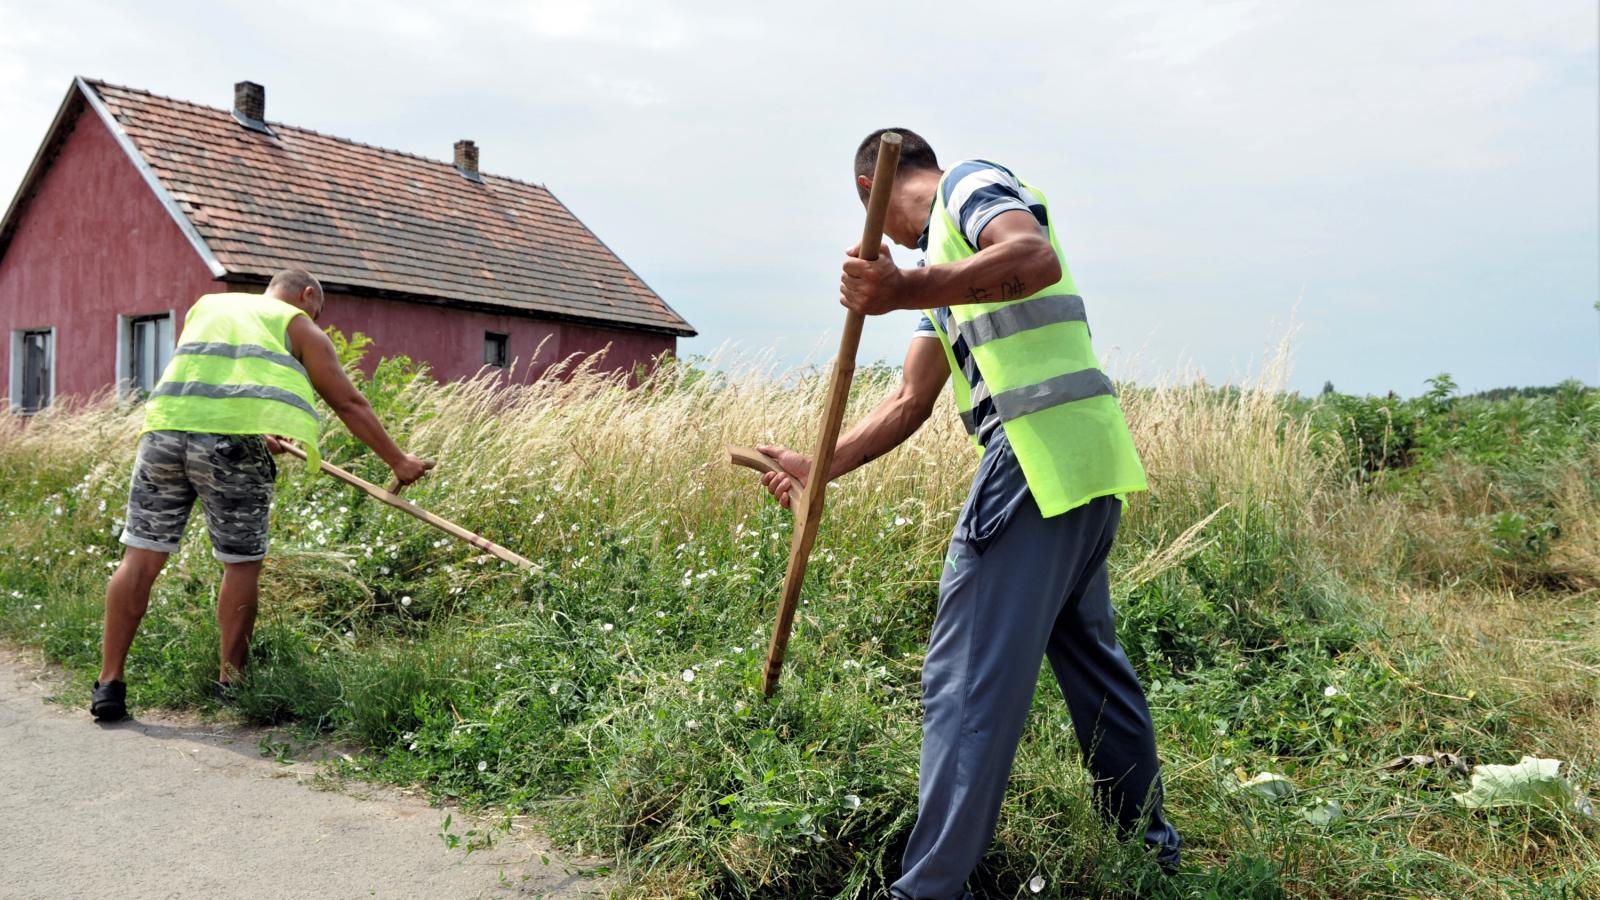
<point x="299" y="288"/>
<point x="293" y="283"/>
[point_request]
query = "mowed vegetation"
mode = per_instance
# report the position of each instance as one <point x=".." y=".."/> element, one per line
<point x="1312" y="588"/>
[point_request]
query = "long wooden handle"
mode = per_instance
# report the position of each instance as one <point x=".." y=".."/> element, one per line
<point x="406" y="506"/>
<point x="809" y="514"/>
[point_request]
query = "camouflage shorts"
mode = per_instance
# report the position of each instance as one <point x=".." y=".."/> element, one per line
<point x="231" y="474"/>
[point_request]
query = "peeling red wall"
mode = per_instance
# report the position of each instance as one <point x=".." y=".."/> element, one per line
<point x="95" y="243"/>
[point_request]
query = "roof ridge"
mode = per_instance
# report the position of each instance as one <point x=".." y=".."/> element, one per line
<point x="98" y="83"/>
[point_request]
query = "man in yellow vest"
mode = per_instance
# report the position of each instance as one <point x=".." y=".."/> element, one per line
<point x="241" y="379"/>
<point x="1025" y="577"/>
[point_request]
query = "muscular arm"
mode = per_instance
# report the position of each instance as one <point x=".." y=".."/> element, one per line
<point x="321" y="362"/>
<point x="885" y="428"/>
<point x="1014" y="259"/>
<point x="900" y="414"/>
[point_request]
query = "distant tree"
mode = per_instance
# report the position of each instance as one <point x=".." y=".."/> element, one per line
<point x="1327" y="388"/>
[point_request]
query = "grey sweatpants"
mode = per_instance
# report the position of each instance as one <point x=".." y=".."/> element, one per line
<point x="1016" y="588"/>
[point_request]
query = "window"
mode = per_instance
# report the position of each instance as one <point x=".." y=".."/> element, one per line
<point x="33" y="370"/>
<point x="494" y="349"/>
<point x="146" y="349"/>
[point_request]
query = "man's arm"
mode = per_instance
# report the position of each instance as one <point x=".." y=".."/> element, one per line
<point x="885" y="428"/>
<point x="1014" y="259"/>
<point x="321" y="362"/>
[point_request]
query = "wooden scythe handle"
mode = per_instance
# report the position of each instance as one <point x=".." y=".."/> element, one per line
<point x="406" y="506"/>
<point x="808" y="506"/>
<point x="751" y="458"/>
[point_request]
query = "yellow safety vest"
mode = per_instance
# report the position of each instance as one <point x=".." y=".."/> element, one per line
<point x="1059" y="411"/>
<point x="232" y="373"/>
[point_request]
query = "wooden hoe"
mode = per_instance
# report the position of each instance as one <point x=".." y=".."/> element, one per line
<point x="806" y="500"/>
<point x="392" y="497"/>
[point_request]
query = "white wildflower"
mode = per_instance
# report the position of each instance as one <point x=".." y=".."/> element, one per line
<point x="1331" y="691"/>
<point x="607" y="627"/>
<point x="688" y="674"/>
<point x="483" y="766"/>
<point x="406" y="600"/>
<point x="1036" y="884"/>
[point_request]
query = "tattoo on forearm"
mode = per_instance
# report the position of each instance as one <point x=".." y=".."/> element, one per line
<point x="1009" y="290"/>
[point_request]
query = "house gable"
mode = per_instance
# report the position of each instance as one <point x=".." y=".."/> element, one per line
<point x="86" y="241"/>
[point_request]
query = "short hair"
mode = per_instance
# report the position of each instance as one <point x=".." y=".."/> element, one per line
<point x="293" y="283"/>
<point x="914" y="154"/>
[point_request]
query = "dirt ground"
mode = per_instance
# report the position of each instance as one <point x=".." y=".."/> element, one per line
<point x="173" y="806"/>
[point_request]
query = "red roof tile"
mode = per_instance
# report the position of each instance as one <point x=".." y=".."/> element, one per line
<point x="376" y="219"/>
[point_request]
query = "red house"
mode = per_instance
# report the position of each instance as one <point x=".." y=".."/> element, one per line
<point x="136" y="205"/>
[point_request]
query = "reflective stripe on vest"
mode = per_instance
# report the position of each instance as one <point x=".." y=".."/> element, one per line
<point x="232" y="392"/>
<point x="1035" y="312"/>
<point x="1068" y="388"/>
<point x="239" y="351"/>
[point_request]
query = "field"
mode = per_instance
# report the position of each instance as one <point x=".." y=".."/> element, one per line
<point x="1312" y="588"/>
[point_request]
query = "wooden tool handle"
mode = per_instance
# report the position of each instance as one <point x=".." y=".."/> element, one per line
<point x="808" y="515"/>
<point x="406" y="506"/>
<point x="751" y="458"/>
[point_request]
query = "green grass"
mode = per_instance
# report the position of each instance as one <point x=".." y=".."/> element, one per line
<point x="614" y="694"/>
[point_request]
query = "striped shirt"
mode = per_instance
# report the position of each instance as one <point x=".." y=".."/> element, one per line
<point x="975" y="191"/>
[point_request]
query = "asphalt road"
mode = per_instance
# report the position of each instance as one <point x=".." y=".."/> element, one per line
<point x="171" y="806"/>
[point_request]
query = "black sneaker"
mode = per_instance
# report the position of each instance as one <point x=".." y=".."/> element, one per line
<point x="222" y="692"/>
<point x="109" y="702"/>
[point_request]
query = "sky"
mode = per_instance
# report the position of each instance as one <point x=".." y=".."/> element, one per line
<point x="1401" y="188"/>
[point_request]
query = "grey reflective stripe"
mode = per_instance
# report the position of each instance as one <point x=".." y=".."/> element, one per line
<point x="969" y="421"/>
<point x="231" y="392"/>
<point x="1073" y="386"/>
<point x="1021" y="316"/>
<point x="239" y="351"/>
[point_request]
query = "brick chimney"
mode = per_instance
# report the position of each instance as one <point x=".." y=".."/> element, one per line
<point x="467" y="160"/>
<point x="250" y="105"/>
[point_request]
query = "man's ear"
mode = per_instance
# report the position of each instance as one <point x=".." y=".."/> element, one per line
<point x="864" y="183"/>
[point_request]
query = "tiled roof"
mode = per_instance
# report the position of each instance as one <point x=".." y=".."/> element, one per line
<point x="377" y="219"/>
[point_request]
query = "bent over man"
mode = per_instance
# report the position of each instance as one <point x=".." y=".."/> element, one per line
<point x="243" y="372"/>
<point x="1025" y="577"/>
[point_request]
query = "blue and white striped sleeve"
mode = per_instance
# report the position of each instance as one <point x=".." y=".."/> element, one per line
<point x="925" y="328"/>
<point x="976" y="191"/>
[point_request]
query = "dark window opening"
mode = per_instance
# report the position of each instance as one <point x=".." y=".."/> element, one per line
<point x="148" y="351"/>
<point x="494" y="349"/>
<point x="35" y="370"/>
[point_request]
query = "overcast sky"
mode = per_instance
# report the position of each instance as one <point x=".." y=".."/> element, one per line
<point x="1415" y="185"/>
